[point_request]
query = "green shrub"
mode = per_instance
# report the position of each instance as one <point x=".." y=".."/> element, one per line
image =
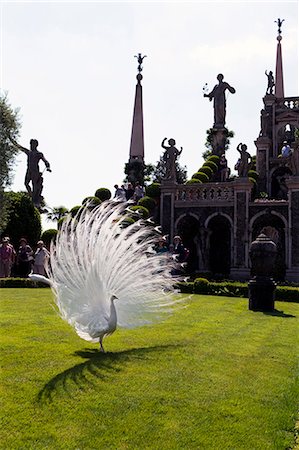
<point x="147" y="202"/>
<point x="253" y="174"/>
<point x="252" y="180"/>
<point x="193" y="181"/>
<point x="201" y="286"/>
<point x="201" y="177"/>
<point x="214" y="158"/>
<point x="60" y="222"/>
<point x="235" y="289"/>
<point x="74" y="210"/>
<point x="185" y="288"/>
<point x="207" y="170"/>
<point x="141" y="211"/>
<point x="20" y="283"/>
<point x="103" y="194"/>
<point x="23" y="219"/>
<point x="210" y="164"/>
<point x="126" y="221"/>
<point x="153" y="190"/>
<point x="49" y="235"/>
<point x="92" y="201"/>
<point x="287" y="294"/>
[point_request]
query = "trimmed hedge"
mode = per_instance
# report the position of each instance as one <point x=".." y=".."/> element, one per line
<point x="235" y="289"/>
<point x="21" y="283"/>
<point x="210" y="164"/>
<point x="199" y="286"/>
<point x="201" y="177"/>
<point x="193" y="181"/>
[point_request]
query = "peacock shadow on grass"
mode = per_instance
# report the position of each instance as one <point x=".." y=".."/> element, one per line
<point x="97" y="366"/>
<point x="278" y="313"/>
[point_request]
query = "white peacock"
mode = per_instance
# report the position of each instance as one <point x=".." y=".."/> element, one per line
<point x="103" y="274"/>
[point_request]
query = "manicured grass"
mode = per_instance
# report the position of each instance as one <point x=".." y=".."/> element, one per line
<point x="212" y="376"/>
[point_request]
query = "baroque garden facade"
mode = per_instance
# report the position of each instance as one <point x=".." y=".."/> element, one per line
<point x="219" y="220"/>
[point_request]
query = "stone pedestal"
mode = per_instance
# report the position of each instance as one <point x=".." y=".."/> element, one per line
<point x="219" y="140"/>
<point x="261" y="294"/>
<point x="263" y="146"/>
<point x="168" y="191"/>
<point x="261" y="287"/>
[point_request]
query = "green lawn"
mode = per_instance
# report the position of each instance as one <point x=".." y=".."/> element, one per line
<point x="212" y="376"/>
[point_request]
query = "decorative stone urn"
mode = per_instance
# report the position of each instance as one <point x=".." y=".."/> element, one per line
<point x="261" y="287"/>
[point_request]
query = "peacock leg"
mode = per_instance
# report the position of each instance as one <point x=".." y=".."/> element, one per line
<point x="101" y="345"/>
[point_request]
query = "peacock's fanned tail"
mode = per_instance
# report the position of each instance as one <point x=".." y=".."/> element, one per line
<point x="97" y="256"/>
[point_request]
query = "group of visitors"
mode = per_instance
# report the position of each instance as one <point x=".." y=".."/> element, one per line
<point x="22" y="261"/>
<point x="177" y="251"/>
<point x="129" y="192"/>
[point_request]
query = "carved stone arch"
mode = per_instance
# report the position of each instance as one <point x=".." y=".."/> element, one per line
<point x="187" y="227"/>
<point x="220" y="227"/>
<point x="181" y="217"/>
<point x="279" y="222"/>
<point x="217" y="214"/>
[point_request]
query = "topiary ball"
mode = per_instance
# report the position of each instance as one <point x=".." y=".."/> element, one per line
<point x="148" y="202"/>
<point x="103" y="194"/>
<point x="140" y="210"/>
<point x="153" y="190"/>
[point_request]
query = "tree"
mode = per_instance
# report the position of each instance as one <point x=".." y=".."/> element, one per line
<point x="23" y="219"/>
<point x="209" y="141"/>
<point x="56" y="213"/>
<point x="9" y="127"/>
<point x="156" y="173"/>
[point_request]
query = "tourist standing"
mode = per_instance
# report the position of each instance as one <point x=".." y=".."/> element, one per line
<point x="41" y="257"/>
<point x="120" y="193"/>
<point x="139" y="192"/>
<point x="129" y="191"/>
<point x="24" y="258"/>
<point x="7" y="255"/>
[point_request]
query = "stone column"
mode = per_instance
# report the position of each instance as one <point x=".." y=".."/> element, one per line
<point x="263" y="145"/>
<point x="219" y="139"/>
<point x="168" y="191"/>
<point x="292" y="273"/>
<point x="240" y="265"/>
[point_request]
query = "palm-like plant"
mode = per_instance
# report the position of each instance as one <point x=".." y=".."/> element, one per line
<point x="56" y="213"/>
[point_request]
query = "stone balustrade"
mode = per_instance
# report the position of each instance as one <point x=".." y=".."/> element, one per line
<point x="209" y="192"/>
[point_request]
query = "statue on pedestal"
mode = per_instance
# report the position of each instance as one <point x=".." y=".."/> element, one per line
<point x="170" y="156"/>
<point x="218" y="94"/>
<point x="271" y="82"/>
<point x="243" y="163"/>
<point x="33" y="174"/>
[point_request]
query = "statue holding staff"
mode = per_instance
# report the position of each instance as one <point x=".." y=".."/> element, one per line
<point x="218" y="94"/>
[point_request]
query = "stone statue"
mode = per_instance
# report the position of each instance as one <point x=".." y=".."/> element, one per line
<point x="140" y="60"/>
<point x="271" y="82"/>
<point x="170" y="156"/>
<point x="218" y="94"/>
<point x="243" y="164"/>
<point x="279" y="24"/>
<point x="265" y="123"/>
<point x="33" y="174"/>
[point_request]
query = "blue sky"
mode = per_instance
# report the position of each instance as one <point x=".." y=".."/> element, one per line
<point x="70" y="68"/>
